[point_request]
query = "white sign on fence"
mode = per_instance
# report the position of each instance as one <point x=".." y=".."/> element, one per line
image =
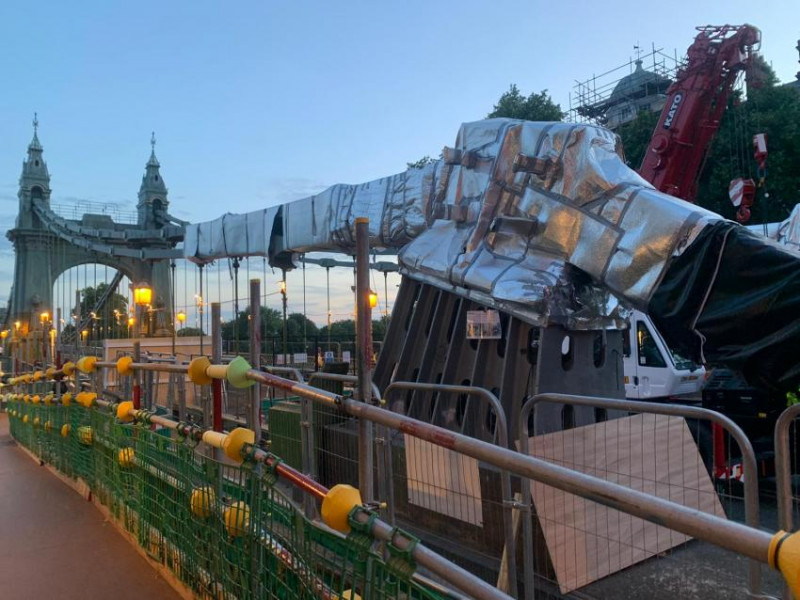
<point x="483" y="325"/>
<point x="443" y="481"/>
<point x="346" y="356"/>
<point x="300" y="357"/>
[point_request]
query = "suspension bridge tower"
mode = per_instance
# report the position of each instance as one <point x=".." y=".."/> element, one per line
<point x="47" y="244"/>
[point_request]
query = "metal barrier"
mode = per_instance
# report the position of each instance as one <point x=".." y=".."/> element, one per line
<point x="156" y="486"/>
<point x="751" y="497"/>
<point x="501" y="434"/>
<point x="780" y="550"/>
<point x="783" y="472"/>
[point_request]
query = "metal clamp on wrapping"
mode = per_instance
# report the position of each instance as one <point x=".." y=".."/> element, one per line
<point x="400" y="561"/>
<point x="361" y="528"/>
<point x="532" y="164"/>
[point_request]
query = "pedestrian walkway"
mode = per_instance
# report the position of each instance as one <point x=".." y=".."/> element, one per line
<point x="55" y="544"/>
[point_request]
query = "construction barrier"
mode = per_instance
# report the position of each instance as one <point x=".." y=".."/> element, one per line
<point x="224" y="530"/>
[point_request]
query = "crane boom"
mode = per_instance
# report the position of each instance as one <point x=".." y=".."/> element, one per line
<point x="694" y="106"/>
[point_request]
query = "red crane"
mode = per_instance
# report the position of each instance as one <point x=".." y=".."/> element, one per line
<point x="694" y="106"/>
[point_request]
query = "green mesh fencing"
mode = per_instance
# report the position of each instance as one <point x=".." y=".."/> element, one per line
<point x="225" y="531"/>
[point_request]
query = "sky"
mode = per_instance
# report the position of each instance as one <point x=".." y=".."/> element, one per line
<point x="259" y="103"/>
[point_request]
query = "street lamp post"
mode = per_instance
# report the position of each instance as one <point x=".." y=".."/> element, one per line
<point x="44" y="318"/>
<point x="142" y="297"/>
<point x="282" y="286"/>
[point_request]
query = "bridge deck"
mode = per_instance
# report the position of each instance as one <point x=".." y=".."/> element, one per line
<point x="54" y="544"/>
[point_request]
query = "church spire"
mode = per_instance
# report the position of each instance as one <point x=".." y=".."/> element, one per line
<point x="34" y="169"/>
<point x="153" y="162"/>
<point x="34" y="181"/>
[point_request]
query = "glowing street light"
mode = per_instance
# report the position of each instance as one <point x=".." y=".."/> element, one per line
<point x="373" y="299"/>
<point x="142" y="294"/>
<point x="44" y="317"/>
<point x="181" y="316"/>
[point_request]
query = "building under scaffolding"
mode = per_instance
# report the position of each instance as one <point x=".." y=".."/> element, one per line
<point x="615" y="97"/>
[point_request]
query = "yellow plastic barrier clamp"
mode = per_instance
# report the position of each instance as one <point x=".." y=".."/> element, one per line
<point x="68" y="368"/>
<point x="87" y="364"/>
<point x="124" y="367"/>
<point x="198" y="371"/>
<point x="337" y="504"/>
<point x="125" y="411"/>
<point x="66" y="399"/>
<point x="202" y="501"/>
<point x="125" y="457"/>
<point x="237" y="519"/>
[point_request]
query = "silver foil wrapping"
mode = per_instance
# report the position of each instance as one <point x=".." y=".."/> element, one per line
<point x="542" y="220"/>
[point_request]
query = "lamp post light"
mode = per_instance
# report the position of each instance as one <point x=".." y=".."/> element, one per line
<point x="282" y="287"/>
<point x="44" y="319"/>
<point x="181" y="316"/>
<point x="142" y="297"/>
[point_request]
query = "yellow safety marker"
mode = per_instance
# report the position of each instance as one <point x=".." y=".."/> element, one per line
<point x="25" y="419"/>
<point x="48" y="399"/>
<point x="36" y="421"/>
<point x="26" y="398"/>
<point x="337" y="504"/>
<point x="231" y="443"/>
<point x="48" y="426"/>
<point x="87" y="364"/>
<point x="125" y="412"/>
<point x="65" y="429"/>
<point x="125" y="457"/>
<point x="86" y="399"/>
<point x="237" y="519"/>
<point x="68" y="368"/>
<point x="784" y="555"/>
<point x="50" y="372"/>
<point x="66" y="399"/>
<point x="124" y="367"/>
<point x="202" y="501"/>
<point x="35" y="399"/>
<point x="38" y="375"/>
<point x="85" y="435"/>
<point x="198" y="371"/>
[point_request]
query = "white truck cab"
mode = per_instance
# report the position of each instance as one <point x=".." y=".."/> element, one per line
<point x="652" y="370"/>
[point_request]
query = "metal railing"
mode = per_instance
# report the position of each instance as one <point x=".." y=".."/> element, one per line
<point x="745" y="540"/>
<point x="501" y="434"/>
<point x="751" y="497"/>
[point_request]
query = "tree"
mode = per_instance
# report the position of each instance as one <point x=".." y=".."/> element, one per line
<point x="105" y="321"/>
<point x="636" y="136"/>
<point x="536" y="107"/>
<point x="271" y="324"/>
<point x="190" y="332"/>
<point x="774" y="110"/>
<point x="294" y="326"/>
<point x="422" y="162"/>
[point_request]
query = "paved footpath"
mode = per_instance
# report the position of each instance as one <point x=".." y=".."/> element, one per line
<point x="54" y="544"/>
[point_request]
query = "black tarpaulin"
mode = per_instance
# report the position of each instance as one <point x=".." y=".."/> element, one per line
<point x="733" y="298"/>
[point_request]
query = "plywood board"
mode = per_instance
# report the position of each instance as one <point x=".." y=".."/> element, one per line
<point x="654" y="454"/>
<point x="443" y="481"/>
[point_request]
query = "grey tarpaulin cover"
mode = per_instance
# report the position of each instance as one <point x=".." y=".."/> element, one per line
<point x="541" y="220"/>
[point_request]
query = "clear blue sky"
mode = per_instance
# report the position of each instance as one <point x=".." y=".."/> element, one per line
<point x="255" y="103"/>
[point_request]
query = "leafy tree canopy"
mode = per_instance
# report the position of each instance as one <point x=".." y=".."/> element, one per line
<point x="536" y="107"/>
